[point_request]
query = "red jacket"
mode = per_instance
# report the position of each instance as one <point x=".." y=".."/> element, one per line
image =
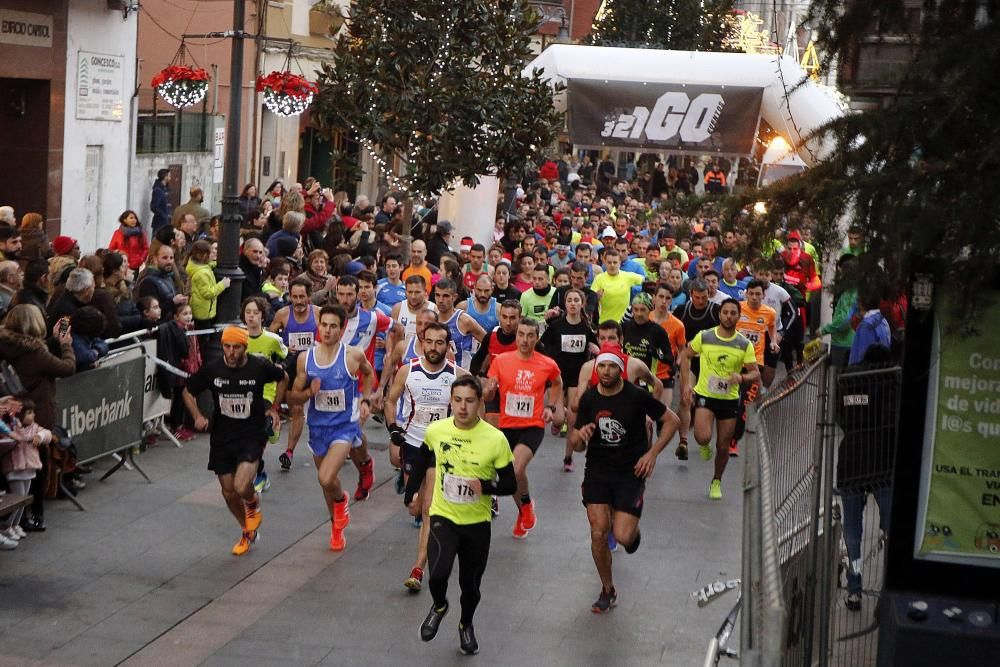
<point x="549" y="171"/>
<point x="135" y="247"/>
<point x="316" y="220"/>
<point x="801" y="274"/>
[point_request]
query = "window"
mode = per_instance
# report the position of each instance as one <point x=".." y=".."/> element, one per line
<point x="174" y="131"/>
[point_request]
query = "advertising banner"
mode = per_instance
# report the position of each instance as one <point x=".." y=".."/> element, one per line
<point x="102" y="408"/>
<point x="959" y="519"/>
<point x="674" y="117"/>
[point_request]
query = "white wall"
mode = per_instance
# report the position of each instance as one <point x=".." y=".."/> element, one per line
<point x="196" y="168"/>
<point x="93" y="27"/>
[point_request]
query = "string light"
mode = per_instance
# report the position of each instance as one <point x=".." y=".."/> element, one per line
<point x="182" y="93"/>
<point x="286" y="105"/>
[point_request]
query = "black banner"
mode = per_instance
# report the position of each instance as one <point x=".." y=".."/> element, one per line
<point x="676" y="117"/>
<point x="102" y="408"/>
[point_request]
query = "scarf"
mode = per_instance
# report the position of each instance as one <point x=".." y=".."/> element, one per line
<point x="129" y="232"/>
<point x="192" y="362"/>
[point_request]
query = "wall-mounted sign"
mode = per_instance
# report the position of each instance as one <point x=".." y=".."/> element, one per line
<point x="219" y="156"/>
<point x="100" y="86"/>
<point x="25" y="28"/>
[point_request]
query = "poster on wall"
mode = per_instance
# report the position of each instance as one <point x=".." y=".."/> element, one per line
<point x="959" y="518"/>
<point x="100" y="86"/>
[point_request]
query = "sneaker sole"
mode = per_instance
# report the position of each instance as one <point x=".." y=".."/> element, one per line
<point x="706" y="453"/>
<point x="413" y="585"/>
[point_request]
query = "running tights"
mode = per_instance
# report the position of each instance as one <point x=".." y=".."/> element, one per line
<point x="471" y="543"/>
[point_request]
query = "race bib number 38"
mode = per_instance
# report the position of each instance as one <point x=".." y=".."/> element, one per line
<point x="332" y="400"/>
<point x="459" y="489"/>
<point x="519" y="405"/>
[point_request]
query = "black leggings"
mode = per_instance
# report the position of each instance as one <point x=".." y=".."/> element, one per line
<point x="471" y="543"/>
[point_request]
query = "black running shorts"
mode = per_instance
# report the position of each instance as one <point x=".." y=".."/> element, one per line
<point x="770" y="358"/>
<point x="223" y="459"/>
<point x="623" y="492"/>
<point x="530" y="437"/>
<point x="722" y="408"/>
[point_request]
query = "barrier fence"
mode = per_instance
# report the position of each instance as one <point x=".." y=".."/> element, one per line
<point x="812" y="529"/>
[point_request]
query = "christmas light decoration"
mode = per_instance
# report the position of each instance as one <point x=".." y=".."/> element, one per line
<point x="286" y="94"/>
<point x="745" y="34"/>
<point x="180" y="85"/>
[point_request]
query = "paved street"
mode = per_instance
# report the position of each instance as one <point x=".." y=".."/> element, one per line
<point x="145" y="576"/>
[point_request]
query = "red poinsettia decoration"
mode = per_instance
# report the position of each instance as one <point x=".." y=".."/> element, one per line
<point x="179" y="73"/>
<point x="287" y="83"/>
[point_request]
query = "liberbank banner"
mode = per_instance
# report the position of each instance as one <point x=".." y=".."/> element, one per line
<point x="959" y="520"/>
<point x="674" y="117"/>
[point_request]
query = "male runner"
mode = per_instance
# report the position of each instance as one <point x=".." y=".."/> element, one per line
<point x="472" y="463"/>
<point x="535" y="301"/>
<point x="239" y="424"/>
<point x="464" y="329"/>
<point x="667" y="373"/>
<point x="724" y="353"/>
<point x="612" y="428"/>
<point x="476" y="268"/>
<point x="360" y="331"/>
<point x="697" y="314"/>
<point x="502" y="339"/>
<point x="405" y="312"/>
<point x="268" y="345"/>
<point x="521" y="378"/>
<point x="482" y="307"/>
<point x="326" y="379"/>
<point x="614" y="287"/>
<point x="758" y="324"/>
<point x="423" y="388"/>
<point x="644" y="339"/>
<point x="778" y="298"/>
<point x="391" y="290"/>
<point x="298" y="324"/>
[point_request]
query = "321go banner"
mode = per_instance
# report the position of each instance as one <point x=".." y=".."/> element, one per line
<point x="960" y="477"/>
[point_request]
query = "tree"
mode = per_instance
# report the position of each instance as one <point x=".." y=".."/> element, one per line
<point x="686" y="25"/>
<point x="437" y="85"/>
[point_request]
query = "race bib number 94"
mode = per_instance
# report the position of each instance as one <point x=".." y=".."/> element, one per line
<point x="332" y="400"/>
<point x="718" y="385"/>
<point x="459" y="489"/>
<point x="519" y="405"/>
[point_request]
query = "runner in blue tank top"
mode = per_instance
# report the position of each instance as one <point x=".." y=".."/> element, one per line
<point x="482" y="307"/>
<point x="298" y="324"/>
<point x="464" y="329"/>
<point x="327" y="381"/>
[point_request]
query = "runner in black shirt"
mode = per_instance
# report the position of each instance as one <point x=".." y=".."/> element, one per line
<point x="645" y="339"/>
<point x="501" y="276"/>
<point x="612" y="428"/>
<point x="241" y="423"/>
<point x="698" y="314"/>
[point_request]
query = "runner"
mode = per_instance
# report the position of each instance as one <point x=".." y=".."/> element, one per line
<point x="757" y="323"/>
<point x="614" y="287"/>
<point x="464" y="330"/>
<point x="422" y="387"/>
<point x="661" y="314"/>
<point x="405" y="312"/>
<point x="476" y="268"/>
<point x="360" y="331"/>
<point x="269" y="346"/>
<point x="502" y="339"/>
<point x="391" y="290"/>
<point x="326" y="379"/>
<point x="698" y="314"/>
<point x="473" y="463"/>
<point x="619" y="460"/>
<point x="778" y="298"/>
<point x="570" y="340"/>
<point x="536" y="301"/>
<point x="367" y="299"/>
<point x="521" y="378"/>
<point x="716" y="395"/>
<point x="482" y="307"/>
<point x="644" y="339"/>
<point x="298" y="325"/>
<point x="240" y="424"/>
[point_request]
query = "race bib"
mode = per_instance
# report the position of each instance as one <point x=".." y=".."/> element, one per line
<point x="459" y="490"/>
<point x="235" y="406"/>
<point x="574" y="343"/>
<point x="752" y="336"/>
<point x="331" y="400"/>
<point x="718" y="385"/>
<point x="474" y="347"/>
<point x="519" y="405"/>
<point x="300" y="340"/>
<point x="426" y="414"/>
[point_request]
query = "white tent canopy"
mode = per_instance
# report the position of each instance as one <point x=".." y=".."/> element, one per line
<point x="794" y="112"/>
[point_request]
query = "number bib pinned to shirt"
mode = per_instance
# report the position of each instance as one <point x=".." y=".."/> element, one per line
<point x="332" y="400"/>
<point x="574" y="343"/>
<point x="718" y="385"/>
<point x="235" y="406"/>
<point x="426" y="414"/>
<point x="459" y="489"/>
<point x="300" y="340"/>
<point x="519" y="405"/>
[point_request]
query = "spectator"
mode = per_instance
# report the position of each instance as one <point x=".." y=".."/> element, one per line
<point x="205" y="289"/>
<point x="149" y="308"/>
<point x="249" y="202"/>
<point x="130" y="240"/>
<point x="438" y="243"/>
<point x="319" y="211"/>
<point x="276" y="287"/>
<point x="22" y="345"/>
<point x="11" y="280"/>
<point x="34" y="242"/>
<point x="10" y="243"/>
<point x="116" y="283"/>
<point x="715" y="180"/>
<point x="159" y="201"/>
<point x="317" y="269"/>
<point x="103" y="300"/>
<point x="158" y="281"/>
<point x="210" y="230"/>
<point x="193" y="206"/>
<point x="385" y="215"/>
<point x="274" y="193"/>
<point x="291" y="228"/>
<point x="67" y="254"/>
<point x="79" y="292"/>
<point x="872" y="330"/>
<point x="252" y="261"/>
<point x="183" y="352"/>
<point x="7" y="217"/>
<point x="87" y="324"/>
<point x="22" y="464"/>
<point x="292" y="201"/>
<point x="35" y="290"/>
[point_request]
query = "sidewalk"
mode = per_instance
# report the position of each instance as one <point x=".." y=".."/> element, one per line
<point x="145" y="576"/>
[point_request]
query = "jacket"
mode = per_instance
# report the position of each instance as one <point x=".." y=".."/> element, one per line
<point x="88" y="350"/>
<point x="839" y="328"/>
<point x="159" y="285"/>
<point x="253" y="281"/>
<point x="63" y="304"/>
<point x="205" y="289"/>
<point x="25" y="456"/>
<point x="34" y="245"/>
<point x="38" y="369"/>
<point x="200" y="213"/>
<point x="35" y="296"/>
<point x="135" y="246"/>
<point x="159" y="205"/>
<point x="59" y="268"/>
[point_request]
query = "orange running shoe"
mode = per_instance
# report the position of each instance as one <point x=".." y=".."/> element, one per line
<point x="337" y="541"/>
<point x="519" y="531"/>
<point x="341" y="514"/>
<point x="253" y="514"/>
<point x="528" y="518"/>
<point x="243" y="545"/>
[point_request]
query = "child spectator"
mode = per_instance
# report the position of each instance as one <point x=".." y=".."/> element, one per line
<point x="87" y="323"/>
<point x="181" y="351"/>
<point x="23" y="462"/>
<point x="149" y="307"/>
<point x="276" y="286"/>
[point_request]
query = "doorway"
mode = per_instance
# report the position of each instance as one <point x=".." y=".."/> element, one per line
<point x="24" y="144"/>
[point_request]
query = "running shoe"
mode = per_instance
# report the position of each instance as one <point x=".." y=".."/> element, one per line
<point x="429" y="628"/>
<point x="341" y="514"/>
<point x="337" y="540"/>
<point x="415" y="581"/>
<point x="632" y="548"/>
<point x="682" y="451"/>
<point x="285" y="459"/>
<point x="528" y="518"/>
<point x="605" y="601"/>
<point x="246" y="540"/>
<point x="568" y="464"/>
<point x="418" y="522"/>
<point x="400" y="482"/>
<point x="519" y="532"/>
<point x="734" y="450"/>
<point x="366" y="479"/>
<point x="715" y="491"/>
<point x="705" y="451"/>
<point x="183" y="434"/>
<point x="612" y="542"/>
<point x="467" y="640"/>
<point x="20" y="531"/>
<point x="261" y="482"/>
<point x="253" y="515"/>
<point x="563" y="431"/>
<point x="853" y="601"/>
